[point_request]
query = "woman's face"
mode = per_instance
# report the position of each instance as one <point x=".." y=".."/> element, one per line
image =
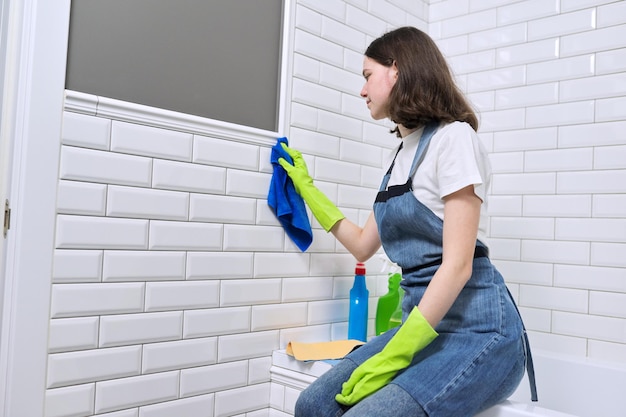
<point x="379" y="80"/>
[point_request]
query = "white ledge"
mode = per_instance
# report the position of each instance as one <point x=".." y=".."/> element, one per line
<point x="167" y="119"/>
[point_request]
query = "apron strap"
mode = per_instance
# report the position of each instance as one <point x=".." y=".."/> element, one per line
<point x="530" y="367"/>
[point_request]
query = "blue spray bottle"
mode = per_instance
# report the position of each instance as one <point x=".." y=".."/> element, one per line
<point x="359" y="298"/>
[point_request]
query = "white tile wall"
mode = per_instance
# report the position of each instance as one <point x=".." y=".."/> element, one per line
<point x="173" y="282"/>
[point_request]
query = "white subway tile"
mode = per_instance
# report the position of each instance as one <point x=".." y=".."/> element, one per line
<point x="74" y="197"/>
<point x="609" y="205"/>
<point x="560" y="114"/>
<point x="342" y="34"/>
<point x="469" y="23"/>
<point x="183" y="176"/>
<point x="137" y="139"/>
<point x="356" y="196"/>
<point x="593" y="134"/>
<point x="291" y="396"/>
<point x="216" y="321"/>
<point x="248" y="184"/>
<point x="505" y="249"/>
<point x="575" y="253"/>
<point x="494" y="121"/>
<point x="143" y="266"/>
<point x="610" y="109"/>
<point x="240" y="400"/>
<point x="144" y="203"/>
<point x="339" y="125"/>
<point x="104" y="167"/>
<point x="76" y="266"/>
<point x="474" y="62"/>
<point x="532" y="95"/>
<point x="303" y="116"/>
<point x="556" y="343"/>
<point x="607" y="230"/>
<point x="348" y="82"/>
<point x="246" y="345"/>
<point x="611" y="61"/>
<point x="336" y="9"/>
<point x="73" y="334"/>
<point x="527" y="183"/>
<point x="451" y="47"/>
<point x="497" y="37"/>
<point x="328" y="311"/>
<point x="550" y="298"/>
<point x="75" y="368"/>
<point x="219" y="265"/>
<point x="166" y="356"/>
<point x="136" y="391"/>
<point x="128" y="329"/>
<point x="562" y="24"/>
<point x="186" y="295"/>
<point x="259" y="370"/>
<point x="447" y="9"/>
<point x="71" y="300"/>
<point x="83" y="232"/>
<point x="505" y="205"/>
<point x="222" y="209"/>
<point x="359" y="18"/>
<point x="557" y="205"/>
<point x="307" y="289"/>
<point x="608" y="329"/>
<point x="86" y="131"/>
<point x="560" y="69"/>
<point x="278" y="316"/>
<point x="343" y="172"/>
<point x="522" y="227"/>
<point x="251" y="238"/>
<point x="77" y="400"/>
<point x="612" y="14"/>
<point x="250" y="292"/>
<point x="185" y="236"/>
<point x="525" y="272"/>
<point x="607" y="351"/>
<point x="593" y="41"/>
<point x="365" y="155"/>
<point x="224" y="153"/>
<point x="483" y="101"/>
<point x="608" y="254"/>
<point x="201" y="405"/>
<point x="607" y="304"/>
<point x="314" y="143"/>
<point x="308" y="20"/>
<point x="526" y="11"/>
<point x="537" y="319"/>
<point x="316" y="95"/>
<point x="579" y="159"/>
<point x="542" y="50"/>
<point x="317" y="48"/>
<point x="270" y="265"/>
<point x="212" y="378"/>
<point x="609" y="181"/>
<point x="496" y="79"/>
<point x="525" y="139"/>
<point x="593" y="87"/>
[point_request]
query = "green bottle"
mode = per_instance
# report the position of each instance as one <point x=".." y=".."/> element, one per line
<point x="396" y="316"/>
<point x="388" y="303"/>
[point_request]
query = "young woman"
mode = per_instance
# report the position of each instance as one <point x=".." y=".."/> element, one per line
<point x="462" y="346"/>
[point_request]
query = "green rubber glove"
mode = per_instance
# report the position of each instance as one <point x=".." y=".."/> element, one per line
<point x="326" y="213"/>
<point x="376" y="372"/>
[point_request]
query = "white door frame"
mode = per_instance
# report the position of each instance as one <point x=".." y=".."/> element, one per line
<point x="32" y="109"/>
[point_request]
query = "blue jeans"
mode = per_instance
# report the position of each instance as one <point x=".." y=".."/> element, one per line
<point x="318" y="400"/>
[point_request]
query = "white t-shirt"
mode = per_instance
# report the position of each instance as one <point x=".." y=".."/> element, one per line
<point x="455" y="159"/>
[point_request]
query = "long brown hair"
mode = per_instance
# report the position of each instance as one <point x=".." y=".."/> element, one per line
<point x="425" y="89"/>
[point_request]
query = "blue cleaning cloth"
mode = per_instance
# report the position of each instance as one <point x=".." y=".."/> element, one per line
<point x="285" y="202"/>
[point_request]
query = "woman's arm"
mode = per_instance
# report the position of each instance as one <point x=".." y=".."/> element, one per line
<point x="460" y="229"/>
<point x="361" y="242"/>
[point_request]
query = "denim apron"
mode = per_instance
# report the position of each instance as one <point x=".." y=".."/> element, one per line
<point x="478" y="359"/>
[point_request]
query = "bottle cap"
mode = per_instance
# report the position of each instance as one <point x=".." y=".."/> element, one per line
<point x="360" y="269"/>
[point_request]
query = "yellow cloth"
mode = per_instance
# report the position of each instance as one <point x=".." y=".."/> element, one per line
<point x="321" y="351"/>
